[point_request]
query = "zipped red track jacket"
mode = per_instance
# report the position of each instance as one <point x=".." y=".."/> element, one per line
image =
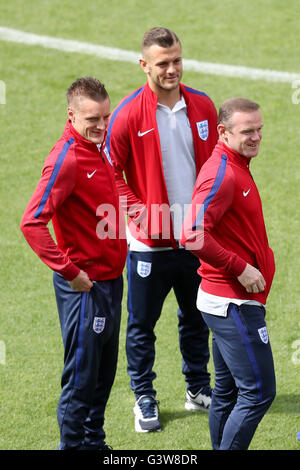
<point x="225" y="226"/>
<point x="134" y="145"/>
<point x="77" y="179"/>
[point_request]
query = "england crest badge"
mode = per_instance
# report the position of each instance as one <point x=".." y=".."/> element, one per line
<point x="99" y="324"/>
<point x="143" y="268"/>
<point x="203" y="130"/>
<point x="263" y="333"/>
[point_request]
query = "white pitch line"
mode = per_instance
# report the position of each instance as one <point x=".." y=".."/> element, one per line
<point x="111" y="53"/>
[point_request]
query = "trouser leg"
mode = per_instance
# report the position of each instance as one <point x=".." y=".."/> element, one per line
<point x="112" y="291"/>
<point x="193" y="331"/>
<point x="148" y="286"/>
<point x="248" y="356"/>
<point x="70" y="411"/>
<point x="224" y="397"/>
<point x="87" y="323"/>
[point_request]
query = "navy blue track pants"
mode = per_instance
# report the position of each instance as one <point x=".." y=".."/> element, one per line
<point x="151" y="276"/>
<point x="90" y="324"/>
<point x="244" y="375"/>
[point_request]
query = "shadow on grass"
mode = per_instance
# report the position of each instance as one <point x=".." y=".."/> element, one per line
<point x="288" y="404"/>
<point x="285" y="403"/>
<point x="168" y="416"/>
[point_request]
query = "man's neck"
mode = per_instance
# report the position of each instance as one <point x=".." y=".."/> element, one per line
<point x="168" y="97"/>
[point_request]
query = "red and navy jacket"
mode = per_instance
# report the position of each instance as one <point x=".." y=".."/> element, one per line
<point x="77" y="182"/>
<point x="225" y="226"/>
<point x="134" y="146"/>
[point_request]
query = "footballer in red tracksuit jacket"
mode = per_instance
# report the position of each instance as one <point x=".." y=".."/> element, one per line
<point x="77" y="191"/>
<point x="156" y="262"/>
<point x="225" y="229"/>
<point x="135" y="151"/>
<point x="77" y="178"/>
<point x="225" y="226"/>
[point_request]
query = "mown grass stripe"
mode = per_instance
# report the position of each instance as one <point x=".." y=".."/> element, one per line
<point x="111" y="53"/>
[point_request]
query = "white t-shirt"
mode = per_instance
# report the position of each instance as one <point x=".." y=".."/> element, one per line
<point x="217" y="305"/>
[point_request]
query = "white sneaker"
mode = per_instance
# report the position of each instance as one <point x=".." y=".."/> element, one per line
<point x="146" y="414"/>
<point x="200" y="401"/>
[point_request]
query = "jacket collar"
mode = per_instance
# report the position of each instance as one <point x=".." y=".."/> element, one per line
<point x="234" y="156"/>
<point x="150" y="94"/>
<point x="70" y="131"/>
<point x="153" y="96"/>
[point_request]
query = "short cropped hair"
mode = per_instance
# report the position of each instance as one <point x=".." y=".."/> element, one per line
<point x="162" y="37"/>
<point x="232" y="105"/>
<point x="88" y="87"/>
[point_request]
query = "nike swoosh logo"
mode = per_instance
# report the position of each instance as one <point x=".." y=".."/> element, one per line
<point x="140" y="134"/>
<point x="89" y="175"/>
<point x="245" y="193"/>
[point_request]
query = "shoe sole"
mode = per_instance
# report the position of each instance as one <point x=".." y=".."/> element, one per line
<point x="138" y="427"/>
<point x="193" y="407"/>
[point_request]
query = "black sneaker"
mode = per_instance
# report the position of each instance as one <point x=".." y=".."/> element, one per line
<point x="146" y="414"/>
<point x="200" y="401"/>
<point x="105" y="447"/>
<point x="102" y="446"/>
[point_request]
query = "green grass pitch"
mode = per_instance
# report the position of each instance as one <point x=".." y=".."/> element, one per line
<point x="259" y="34"/>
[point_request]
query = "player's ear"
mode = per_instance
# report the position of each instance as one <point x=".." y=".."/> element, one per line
<point x="221" y="130"/>
<point x="144" y="65"/>
<point x="70" y="114"/>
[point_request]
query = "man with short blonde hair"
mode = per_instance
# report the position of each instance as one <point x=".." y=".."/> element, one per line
<point x="225" y="229"/>
<point x="159" y="137"/>
<point x="77" y="179"/>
